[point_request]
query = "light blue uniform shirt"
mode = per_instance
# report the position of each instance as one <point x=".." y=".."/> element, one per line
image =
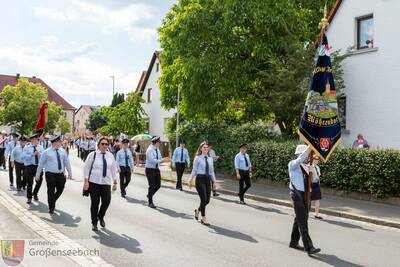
<point x="199" y="167"/>
<point x="177" y="156"/>
<point x="17" y="155"/>
<point x="90" y="145"/>
<point x="120" y="158"/>
<point x="10" y="146"/>
<point x="240" y="162"/>
<point x="48" y="161"/>
<point x="295" y="173"/>
<point x="28" y="158"/>
<point x="153" y="158"/>
<point x="45" y="144"/>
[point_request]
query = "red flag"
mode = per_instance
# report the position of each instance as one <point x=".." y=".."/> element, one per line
<point x="42" y="120"/>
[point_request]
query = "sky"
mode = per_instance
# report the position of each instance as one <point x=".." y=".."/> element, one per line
<point x="76" y="45"/>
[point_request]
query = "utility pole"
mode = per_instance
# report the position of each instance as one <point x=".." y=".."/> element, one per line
<point x="113" y="78"/>
<point x="177" y="120"/>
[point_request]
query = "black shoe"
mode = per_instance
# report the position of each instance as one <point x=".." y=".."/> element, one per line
<point x="24" y="188"/>
<point x="35" y="197"/>
<point x="19" y="189"/>
<point x="122" y="195"/>
<point x="51" y="211"/>
<point x="296" y="246"/>
<point x="204" y="223"/>
<point x="94" y="228"/>
<point x="318" y="217"/>
<point x="313" y="250"/>
<point x="102" y="222"/>
<point x="242" y="202"/>
<point x="196" y="214"/>
<point x="29" y="201"/>
<point x="11" y="185"/>
<point x="151" y="205"/>
<point x="215" y="194"/>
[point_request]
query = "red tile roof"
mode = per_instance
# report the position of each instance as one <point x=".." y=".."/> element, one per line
<point x="53" y="95"/>
<point x="140" y="83"/>
<point x="146" y="74"/>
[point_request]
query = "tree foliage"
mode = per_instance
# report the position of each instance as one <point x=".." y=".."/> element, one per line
<point x="21" y="104"/>
<point x="126" y="117"/>
<point x="117" y="99"/>
<point x="63" y="125"/>
<point x="98" y="118"/>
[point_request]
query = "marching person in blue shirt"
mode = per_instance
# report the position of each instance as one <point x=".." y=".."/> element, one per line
<point x="54" y="161"/>
<point x="153" y="161"/>
<point x="32" y="155"/>
<point x="179" y="160"/>
<point x="243" y="169"/>
<point x="90" y="146"/>
<point x="9" y="148"/>
<point x="17" y="162"/>
<point x="124" y="161"/>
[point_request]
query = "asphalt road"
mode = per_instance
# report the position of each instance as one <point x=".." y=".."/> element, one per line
<point x="253" y="235"/>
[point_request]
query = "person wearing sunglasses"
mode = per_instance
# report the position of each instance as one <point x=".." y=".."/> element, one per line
<point x="100" y="173"/>
<point x="203" y="170"/>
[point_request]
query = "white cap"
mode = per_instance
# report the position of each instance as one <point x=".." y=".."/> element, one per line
<point x="300" y="149"/>
<point x="3" y="132"/>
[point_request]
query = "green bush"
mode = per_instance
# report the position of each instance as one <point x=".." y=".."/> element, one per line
<point x="375" y="172"/>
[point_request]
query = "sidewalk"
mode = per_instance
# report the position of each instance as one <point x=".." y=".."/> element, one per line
<point x="361" y="210"/>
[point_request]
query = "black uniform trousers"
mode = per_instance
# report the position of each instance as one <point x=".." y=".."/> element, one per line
<point x="55" y="187"/>
<point x="203" y="188"/>
<point x="124" y="178"/>
<point x="154" y="180"/>
<point x="10" y="171"/>
<point x="300" y="224"/>
<point x="2" y="157"/>
<point x="20" y="175"/>
<point x="30" y="172"/>
<point x="244" y="180"/>
<point x="180" y="169"/>
<point x="79" y="151"/>
<point x="99" y="192"/>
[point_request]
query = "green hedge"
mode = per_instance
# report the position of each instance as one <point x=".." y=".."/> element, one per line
<point x="375" y="172"/>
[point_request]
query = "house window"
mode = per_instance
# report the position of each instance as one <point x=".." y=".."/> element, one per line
<point x="365" y="32"/>
<point x="157" y="67"/>
<point x="342" y="111"/>
<point x="149" y="95"/>
<point x="146" y="126"/>
<point x="65" y="114"/>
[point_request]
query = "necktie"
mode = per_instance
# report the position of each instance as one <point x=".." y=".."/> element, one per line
<point x="36" y="156"/>
<point x="104" y="165"/>
<point x="156" y="157"/>
<point x="15" y="143"/>
<point x="245" y="160"/>
<point x="207" y="166"/>
<point x="58" y="160"/>
<point x="182" y="155"/>
<point x="126" y="158"/>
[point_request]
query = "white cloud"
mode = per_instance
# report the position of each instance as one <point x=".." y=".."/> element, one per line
<point x="128" y="19"/>
<point x="78" y="76"/>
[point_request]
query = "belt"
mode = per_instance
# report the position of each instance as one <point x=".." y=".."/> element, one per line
<point x="55" y="173"/>
<point x="154" y="169"/>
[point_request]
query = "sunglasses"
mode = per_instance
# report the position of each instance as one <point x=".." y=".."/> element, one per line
<point x="104" y="144"/>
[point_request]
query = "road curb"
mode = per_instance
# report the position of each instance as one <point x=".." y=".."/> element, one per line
<point x="48" y="232"/>
<point x="280" y="202"/>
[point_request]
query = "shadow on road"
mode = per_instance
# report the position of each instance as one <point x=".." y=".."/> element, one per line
<point x="232" y="234"/>
<point x="266" y="209"/>
<point x="113" y="240"/>
<point x="64" y="218"/>
<point x="174" y="214"/>
<point x="334" y="260"/>
<point x="346" y="225"/>
<point x="185" y="190"/>
<point x="136" y="201"/>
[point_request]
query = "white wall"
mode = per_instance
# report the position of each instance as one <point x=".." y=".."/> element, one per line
<point x="156" y="114"/>
<point x="70" y="117"/>
<point x="372" y="84"/>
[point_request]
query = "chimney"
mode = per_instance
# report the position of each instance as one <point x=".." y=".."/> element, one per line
<point x="34" y="77"/>
<point x="18" y="76"/>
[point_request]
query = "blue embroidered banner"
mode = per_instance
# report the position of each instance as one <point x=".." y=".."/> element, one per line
<point x="319" y="125"/>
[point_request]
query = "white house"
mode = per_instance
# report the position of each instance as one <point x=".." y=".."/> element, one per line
<point x="82" y="117"/>
<point x="150" y="91"/>
<point x="370" y="74"/>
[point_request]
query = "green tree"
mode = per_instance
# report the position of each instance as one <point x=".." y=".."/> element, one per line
<point x="117" y="99"/>
<point x="126" y="118"/>
<point x="63" y="125"/>
<point x="98" y="118"/>
<point x="21" y="104"/>
<point x="229" y="59"/>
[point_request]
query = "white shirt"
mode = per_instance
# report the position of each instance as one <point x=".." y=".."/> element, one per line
<point x="96" y="175"/>
<point x="295" y="173"/>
